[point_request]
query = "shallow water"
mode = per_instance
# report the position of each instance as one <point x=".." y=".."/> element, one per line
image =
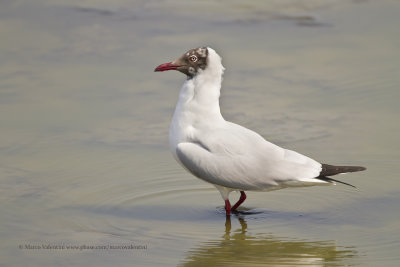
<point x="84" y="158"/>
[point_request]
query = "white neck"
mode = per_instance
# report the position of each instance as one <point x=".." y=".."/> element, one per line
<point x="201" y="93"/>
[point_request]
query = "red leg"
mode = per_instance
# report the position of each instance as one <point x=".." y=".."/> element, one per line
<point x="228" y="207"/>
<point x="240" y="201"/>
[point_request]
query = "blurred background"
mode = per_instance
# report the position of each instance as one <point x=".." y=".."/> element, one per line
<point x="84" y="120"/>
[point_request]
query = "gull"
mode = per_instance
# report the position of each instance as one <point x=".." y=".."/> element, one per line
<point x="225" y="154"/>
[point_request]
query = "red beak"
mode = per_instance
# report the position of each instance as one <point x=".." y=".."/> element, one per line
<point x="166" y="66"/>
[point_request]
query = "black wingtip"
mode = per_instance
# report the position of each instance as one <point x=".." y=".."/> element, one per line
<point x="329" y="170"/>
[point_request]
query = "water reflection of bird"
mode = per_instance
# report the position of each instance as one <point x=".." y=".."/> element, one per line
<point x="227" y="155"/>
<point x="241" y="247"/>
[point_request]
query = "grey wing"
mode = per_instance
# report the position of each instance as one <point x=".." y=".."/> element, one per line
<point x="244" y="160"/>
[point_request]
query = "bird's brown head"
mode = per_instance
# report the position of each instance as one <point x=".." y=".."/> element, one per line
<point x="189" y="63"/>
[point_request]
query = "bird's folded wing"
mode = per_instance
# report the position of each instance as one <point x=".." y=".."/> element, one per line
<point x="245" y="162"/>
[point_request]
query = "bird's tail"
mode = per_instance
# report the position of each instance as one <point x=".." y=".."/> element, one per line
<point x="329" y="170"/>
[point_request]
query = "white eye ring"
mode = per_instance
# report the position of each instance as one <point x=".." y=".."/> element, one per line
<point x="193" y="58"/>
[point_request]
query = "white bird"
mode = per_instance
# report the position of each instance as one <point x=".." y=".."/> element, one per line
<point x="225" y="154"/>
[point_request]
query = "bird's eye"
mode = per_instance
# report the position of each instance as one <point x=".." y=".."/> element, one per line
<point x="193" y="58"/>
